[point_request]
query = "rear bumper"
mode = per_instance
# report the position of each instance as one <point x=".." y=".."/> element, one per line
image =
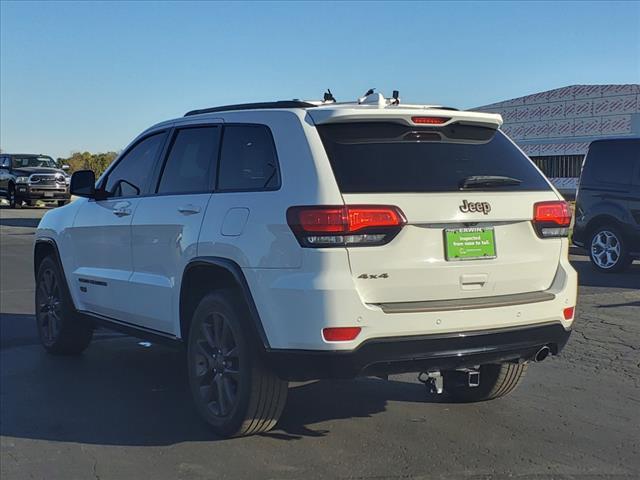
<point x="420" y="353"/>
<point x="295" y="305"/>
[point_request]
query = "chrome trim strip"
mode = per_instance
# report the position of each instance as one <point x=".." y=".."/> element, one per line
<point x="466" y="303"/>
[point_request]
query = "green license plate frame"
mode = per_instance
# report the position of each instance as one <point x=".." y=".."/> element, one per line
<point x="475" y="243"/>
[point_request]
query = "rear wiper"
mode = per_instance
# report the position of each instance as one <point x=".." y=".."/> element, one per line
<point x="476" y="181"/>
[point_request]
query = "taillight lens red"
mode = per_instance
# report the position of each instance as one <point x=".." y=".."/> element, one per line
<point x="552" y="219"/>
<point x="554" y="212"/>
<point x="340" y="334"/>
<point x="568" y="313"/>
<point x="321" y="219"/>
<point x="331" y="226"/>
<point x="430" y="120"/>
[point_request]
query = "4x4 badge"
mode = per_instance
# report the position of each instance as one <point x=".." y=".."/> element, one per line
<point x="467" y="207"/>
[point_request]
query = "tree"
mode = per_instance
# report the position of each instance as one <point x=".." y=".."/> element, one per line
<point x="98" y="162"/>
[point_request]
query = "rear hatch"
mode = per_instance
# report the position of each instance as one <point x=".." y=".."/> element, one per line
<point x="443" y="178"/>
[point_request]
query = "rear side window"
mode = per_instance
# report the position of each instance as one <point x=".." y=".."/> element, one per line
<point x="130" y="177"/>
<point x="611" y="162"/>
<point x="248" y="159"/>
<point x="191" y="163"/>
<point x="389" y="158"/>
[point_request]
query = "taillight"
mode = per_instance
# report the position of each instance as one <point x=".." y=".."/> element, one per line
<point x="351" y="225"/>
<point x="568" y="313"/>
<point x="552" y="219"/>
<point x="340" y="334"/>
<point x="430" y="120"/>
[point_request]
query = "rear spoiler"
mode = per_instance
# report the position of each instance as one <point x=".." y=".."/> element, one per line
<point x="407" y="116"/>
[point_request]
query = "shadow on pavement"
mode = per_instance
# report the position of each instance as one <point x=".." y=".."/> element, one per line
<point x="19" y="222"/>
<point x="322" y="401"/>
<point x="589" y="277"/>
<point x="116" y="393"/>
<point x="17" y="330"/>
<point x="122" y="393"/>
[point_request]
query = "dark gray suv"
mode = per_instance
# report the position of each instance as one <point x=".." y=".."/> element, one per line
<point x="29" y="177"/>
<point x="608" y="204"/>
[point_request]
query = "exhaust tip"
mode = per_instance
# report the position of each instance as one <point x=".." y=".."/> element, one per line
<point x="542" y="354"/>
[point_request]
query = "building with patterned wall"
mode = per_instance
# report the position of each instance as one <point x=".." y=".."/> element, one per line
<point x="556" y="127"/>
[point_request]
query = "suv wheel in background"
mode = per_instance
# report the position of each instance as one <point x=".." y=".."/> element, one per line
<point x="607" y="250"/>
<point x="496" y="380"/>
<point x="60" y="329"/>
<point x="11" y="197"/>
<point x="232" y="389"/>
<point x="62" y="203"/>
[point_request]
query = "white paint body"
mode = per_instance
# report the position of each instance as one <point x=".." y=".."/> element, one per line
<point x="299" y="291"/>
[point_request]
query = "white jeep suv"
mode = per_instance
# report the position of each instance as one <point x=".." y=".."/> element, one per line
<point x="306" y="240"/>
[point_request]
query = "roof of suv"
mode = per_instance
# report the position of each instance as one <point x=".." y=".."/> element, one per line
<point x="25" y="155"/>
<point x="370" y="108"/>
<point x="253" y="106"/>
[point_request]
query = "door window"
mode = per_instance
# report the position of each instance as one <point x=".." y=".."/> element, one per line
<point x="191" y="164"/>
<point x="248" y="159"/>
<point x="130" y="177"/>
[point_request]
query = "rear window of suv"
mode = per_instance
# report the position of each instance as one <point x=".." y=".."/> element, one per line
<point x="611" y="161"/>
<point x="389" y="157"/>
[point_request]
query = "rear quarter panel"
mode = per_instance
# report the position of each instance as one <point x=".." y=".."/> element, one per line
<point x="265" y="240"/>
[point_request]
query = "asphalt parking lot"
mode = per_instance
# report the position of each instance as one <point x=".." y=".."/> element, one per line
<point x="122" y="410"/>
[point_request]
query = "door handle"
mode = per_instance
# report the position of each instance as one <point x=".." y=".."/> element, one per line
<point x="473" y="282"/>
<point x="189" y="209"/>
<point x="122" y="212"/>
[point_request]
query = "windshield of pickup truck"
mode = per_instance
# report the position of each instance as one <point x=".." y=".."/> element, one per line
<point x="34" y="161"/>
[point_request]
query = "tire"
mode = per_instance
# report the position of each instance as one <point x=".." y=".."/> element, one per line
<point x="496" y="380"/>
<point x="60" y="329"/>
<point x="29" y="203"/>
<point x="11" y="196"/>
<point x="608" y="251"/>
<point x="233" y="390"/>
<point x="62" y="203"/>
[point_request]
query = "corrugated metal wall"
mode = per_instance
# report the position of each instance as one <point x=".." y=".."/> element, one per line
<point x="560" y="166"/>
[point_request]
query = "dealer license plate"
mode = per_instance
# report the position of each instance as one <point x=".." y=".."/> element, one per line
<point x="469" y="243"/>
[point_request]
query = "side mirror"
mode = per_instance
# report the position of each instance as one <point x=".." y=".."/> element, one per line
<point x="83" y="184"/>
<point x="65" y="167"/>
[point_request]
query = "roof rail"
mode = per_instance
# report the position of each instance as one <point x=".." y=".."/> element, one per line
<point x="253" y="106"/>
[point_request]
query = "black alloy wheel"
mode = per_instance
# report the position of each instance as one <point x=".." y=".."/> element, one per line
<point x="217" y="364"/>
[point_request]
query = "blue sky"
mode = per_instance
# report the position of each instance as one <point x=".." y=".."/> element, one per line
<point x="90" y="76"/>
